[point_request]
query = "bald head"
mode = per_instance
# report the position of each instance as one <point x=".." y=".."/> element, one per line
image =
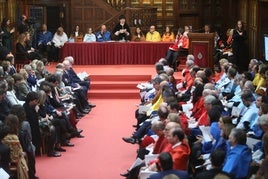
<point x="170" y="126"/>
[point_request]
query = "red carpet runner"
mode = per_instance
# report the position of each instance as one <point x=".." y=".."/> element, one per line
<point x="101" y="154"/>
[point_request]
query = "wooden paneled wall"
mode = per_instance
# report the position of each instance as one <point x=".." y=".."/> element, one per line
<point x="90" y="13"/>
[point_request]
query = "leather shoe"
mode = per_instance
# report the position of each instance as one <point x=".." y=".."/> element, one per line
<point x="54" y="154"/>
<point x="79" y="131"/>
<point x="79" y="114"/>
<point x="85" y="111"/>
<point x="135" y="126"/>
<point x="129" y="140"/>
<point x="60" y="149"/>
<point x="80" y="136"/>
<point x="92" y="105"/>
<point x="68" y="144"/>
<point x="125" y="174"/>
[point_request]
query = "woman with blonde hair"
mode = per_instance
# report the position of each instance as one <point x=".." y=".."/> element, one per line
<point x="12" y="140"/>
<point x="40" y="71"/>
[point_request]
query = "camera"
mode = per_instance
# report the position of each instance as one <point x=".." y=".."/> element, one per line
<point x="30" y="21"/>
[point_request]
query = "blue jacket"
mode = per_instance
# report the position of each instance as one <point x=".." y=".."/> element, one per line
<point x="215" y="131"/>
<point x="238" y="161"/>
<point x="106" y="36"/>
<point x="44" y="38"/>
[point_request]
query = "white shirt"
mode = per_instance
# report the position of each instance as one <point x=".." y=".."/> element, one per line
<point x="59" y="40"/>
<point x="89" y="38"/>
<point x="13" y="99"/>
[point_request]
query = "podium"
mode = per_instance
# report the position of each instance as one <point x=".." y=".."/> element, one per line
<point x="201" y="46"/>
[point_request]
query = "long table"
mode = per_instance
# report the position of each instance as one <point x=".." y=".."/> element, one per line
<point x="115" y="53"/>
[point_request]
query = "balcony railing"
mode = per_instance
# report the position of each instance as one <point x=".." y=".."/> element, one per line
<point x="117" y="4"/>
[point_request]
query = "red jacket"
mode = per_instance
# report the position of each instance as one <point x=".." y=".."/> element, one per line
<point x="161" y="145"/>
<point x="180" y="155"/>
<point x="179" y="42"/>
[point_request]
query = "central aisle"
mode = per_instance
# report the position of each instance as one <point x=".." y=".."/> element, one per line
<point x="101" y="154"/>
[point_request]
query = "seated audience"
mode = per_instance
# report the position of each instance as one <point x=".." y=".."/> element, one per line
<point x="4" y="149"/>
<point x="262" y="172"/>
<point x="44" y="42"/>
<point x="10" y="94"/>
<point x="239" y="157"/>
<point x="103" y="35"/>
<point x="24" y="51"/>
<point x="16" y="152"/>
<point x="153" y="35"/>
<point x="180" y="149"/>
<point x="59" y="39"/>
<point x="168" y="35"/>
<point x="138" y="36"/>
<point x="25" y="138"/>
<point x="175" y="48"/>
<point x="4" y="105"/>
<point x="20" y="86"/>
<point x="249" y="113"/>
<point x="165" y="168"/>
<point x="76" y="35"/>
<point x="32" y="116"/>
<point x="217" y="160"/>
<point x="29" y="75"/>
<point x="89" y="36"/>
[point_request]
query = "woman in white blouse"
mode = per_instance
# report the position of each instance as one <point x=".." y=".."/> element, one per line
<point x="10" y="94"/>
<point x="89" y="36"/>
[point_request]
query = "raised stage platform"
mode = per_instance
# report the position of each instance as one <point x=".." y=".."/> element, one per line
<point x="115" y="81"/>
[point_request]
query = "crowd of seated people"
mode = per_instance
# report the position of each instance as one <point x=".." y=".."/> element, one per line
<point x="39" y="111"/>
<point x="209" y="124"/>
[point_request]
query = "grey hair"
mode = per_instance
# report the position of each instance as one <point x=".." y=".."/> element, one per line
<point x="190" y="57"/>
<point x="27" y="67"/>
<point x="70" y="59"/>
<point x="263" y="120"/>
<point x="210" y="99"/>
<point x="189" y="62"/>
<point x="249" y="84"/>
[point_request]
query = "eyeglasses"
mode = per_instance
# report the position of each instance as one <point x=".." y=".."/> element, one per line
<point x="167" y="129"/>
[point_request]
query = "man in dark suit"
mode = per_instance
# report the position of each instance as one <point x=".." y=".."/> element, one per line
<point x="4" y="149"/>
<point x="84" y="83"/>
<point x="4" y="103"/>
<point x="165" y="168"/>
<point x="32" y="116"/>
<point x="217" y="158"/>
<point x="80" y="90"/>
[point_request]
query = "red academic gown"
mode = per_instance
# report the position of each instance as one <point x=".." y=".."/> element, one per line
<point x="161" y="145"/>
<point x="180" y="155"/>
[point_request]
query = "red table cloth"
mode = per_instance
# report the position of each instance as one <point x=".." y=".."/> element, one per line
<point x="114" y="53"/>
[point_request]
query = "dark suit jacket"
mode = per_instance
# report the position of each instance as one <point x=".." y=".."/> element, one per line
<point x="73" y="76"/>
<point x="68" y="80"/>
<point x="32" y="117"/>
<point x="210" y="174"/>
<point x="180" y="173"/>
<point x="5" y="157"/>
<point x="4" y="109"/>
<point x="21" y="52"/>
